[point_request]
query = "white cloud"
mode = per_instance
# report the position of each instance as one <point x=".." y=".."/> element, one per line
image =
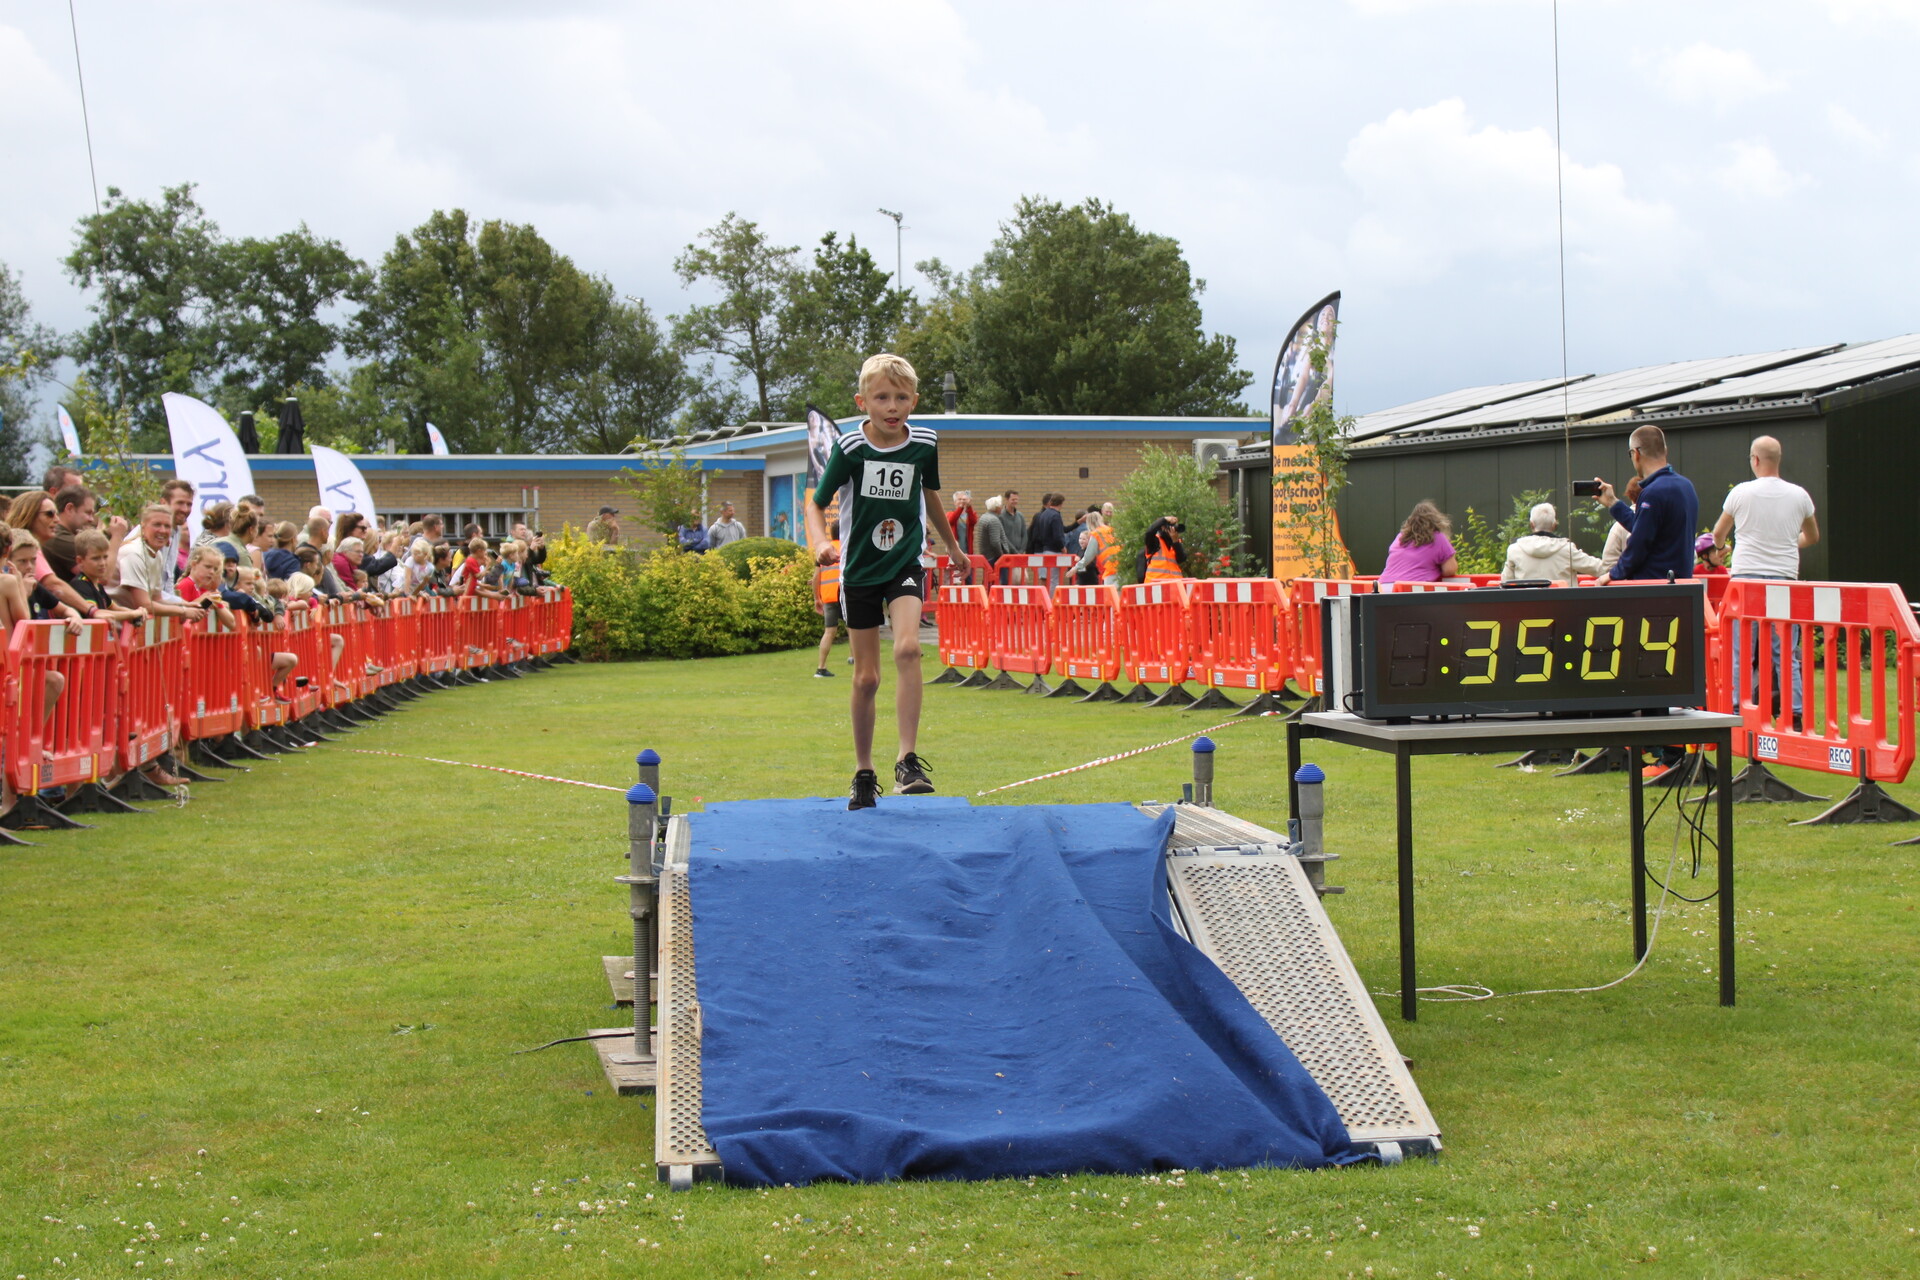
<point x="1854" y="131"/>
<point x="1873" y="10"/>
<point x="1399" y="8"/>
<point x="1752" y="170"/>
<point x="1436" y="191"/>
<point x="1706" y="75"/>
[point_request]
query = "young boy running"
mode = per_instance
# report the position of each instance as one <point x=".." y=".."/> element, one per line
<point x="895" y="470"/>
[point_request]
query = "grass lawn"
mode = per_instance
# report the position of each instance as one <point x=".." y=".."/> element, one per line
<point x="269" y="1033"/>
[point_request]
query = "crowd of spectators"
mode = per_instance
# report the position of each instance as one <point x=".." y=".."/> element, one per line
<point x="999" y="529"/>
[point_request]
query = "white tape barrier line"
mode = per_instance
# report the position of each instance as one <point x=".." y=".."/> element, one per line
<point x="1137" y="751"/>
<point x="492" y="768"/>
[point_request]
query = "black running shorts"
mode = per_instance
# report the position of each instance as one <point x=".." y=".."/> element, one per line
<point x="866" y="607"/>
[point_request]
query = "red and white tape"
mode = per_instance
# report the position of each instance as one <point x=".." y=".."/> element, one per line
<point x="491" y="768"/>
<point x="1124" y="755"/>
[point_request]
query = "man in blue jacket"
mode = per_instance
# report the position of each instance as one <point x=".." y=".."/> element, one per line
<point x="1662" y="529"/>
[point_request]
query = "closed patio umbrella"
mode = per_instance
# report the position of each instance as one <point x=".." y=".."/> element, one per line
<point x="292" y="428"/>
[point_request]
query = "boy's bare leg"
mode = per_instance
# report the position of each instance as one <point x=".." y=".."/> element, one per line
<point x="904" y="614"/>
<point x="866" y="683"/>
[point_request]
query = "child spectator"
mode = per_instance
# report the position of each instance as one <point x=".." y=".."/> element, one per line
<point x="92" y="564"/>
<point x="894" y="470"/>
<point x="418" y="569"/>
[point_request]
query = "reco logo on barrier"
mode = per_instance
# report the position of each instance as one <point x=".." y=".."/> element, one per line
<point x="1766" y="746"/>
<point x="1840" y="759"/>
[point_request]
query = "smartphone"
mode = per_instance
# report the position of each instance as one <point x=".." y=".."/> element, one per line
<point x="1586" y="488"/>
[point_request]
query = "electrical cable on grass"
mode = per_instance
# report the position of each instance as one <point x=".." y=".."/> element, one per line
<point x="604" y="1035"/>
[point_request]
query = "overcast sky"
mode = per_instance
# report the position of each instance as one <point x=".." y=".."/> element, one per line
<point x="1738" y="176"/>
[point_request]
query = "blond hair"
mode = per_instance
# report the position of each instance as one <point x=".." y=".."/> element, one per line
<point x="299" y="586"/>
<point x="206" y="551"/>
<point x="890" y="367"/>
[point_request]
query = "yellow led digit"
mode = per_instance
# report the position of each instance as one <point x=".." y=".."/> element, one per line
<point x="1491" y="653"/>
<point x="1660" y="646"/>
<point x="1587" y="672"/>
<point x="1540" y="651"/>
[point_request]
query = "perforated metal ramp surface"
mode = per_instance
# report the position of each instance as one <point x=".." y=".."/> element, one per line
<point x="1257" y="916"/>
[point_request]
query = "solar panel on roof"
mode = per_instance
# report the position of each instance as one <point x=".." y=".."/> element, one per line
<point x="1841" y="368"/>
<point x="1381" y="421"/>
<point x="1610" y="392"/>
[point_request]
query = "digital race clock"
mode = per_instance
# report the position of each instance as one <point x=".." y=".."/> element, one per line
<point x="1492" y="651"/>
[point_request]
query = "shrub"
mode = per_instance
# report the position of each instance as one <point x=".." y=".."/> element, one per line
<point x="1171" y="483"/>
<point x="779" y="603"/>
<point x="604" y="585"/>
<point x="690" y="606"/>
<point x="736" y="555"/>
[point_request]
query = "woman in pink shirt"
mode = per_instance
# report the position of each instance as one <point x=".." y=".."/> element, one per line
<point x="1421" y="551"/>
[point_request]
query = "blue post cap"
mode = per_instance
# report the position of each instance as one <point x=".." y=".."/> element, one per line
<point x="639" y="793"/>
<point x="1310" y="773"/>
<point x="1203" y="745"/>
<point x="649" y="756"/>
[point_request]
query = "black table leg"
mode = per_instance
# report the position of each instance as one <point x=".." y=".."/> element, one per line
<point x="1293" y="768"/>
<point x="1403" y="815"/>
<point x="1637" y="820"/>
<point x="1723" y="748"/>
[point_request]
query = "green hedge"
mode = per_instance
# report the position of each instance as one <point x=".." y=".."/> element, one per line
<point x="738" y="555"/>
<point x="668" y="603"/>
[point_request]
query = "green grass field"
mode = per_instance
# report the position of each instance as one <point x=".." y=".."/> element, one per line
<point x="269" y="1034"/>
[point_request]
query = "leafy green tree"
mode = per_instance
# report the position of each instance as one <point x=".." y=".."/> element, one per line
<point x="630" y="381"/>
<point x="1170" y="483"/>
<point x="666" y="490"/>
<point x="125" y="485"/>
<point x="1077" y="310"/>
<point x="27" y="351"/>
<point x="273" y="338"/>
<point x="749" y="325"/>
<point x="157" y="271"/>
<point x="839" y="312"/>
<point x="936" y="336"/>
<point x="536" y="309"/>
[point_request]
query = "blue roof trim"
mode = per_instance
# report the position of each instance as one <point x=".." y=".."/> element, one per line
<point x="965" y="424"/>
<point x="456" y="463"/>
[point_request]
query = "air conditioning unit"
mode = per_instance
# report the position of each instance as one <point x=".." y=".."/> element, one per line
<point x="1211" y="453"/>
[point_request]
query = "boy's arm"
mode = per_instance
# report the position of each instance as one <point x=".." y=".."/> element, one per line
<point x="936" y="511"/>
<point x="832" y="476"/>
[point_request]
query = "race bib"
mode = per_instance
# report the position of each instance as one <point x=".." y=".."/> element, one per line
<point x="889" y="480"/>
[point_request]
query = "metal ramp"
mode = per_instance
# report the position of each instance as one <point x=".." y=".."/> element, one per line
<point x="1239" y="898"/>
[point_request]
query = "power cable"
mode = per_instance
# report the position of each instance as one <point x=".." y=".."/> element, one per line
<point x="1560" y="222"/>
<point x="93" y="174"/>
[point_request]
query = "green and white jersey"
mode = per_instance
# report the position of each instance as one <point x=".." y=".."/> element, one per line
<point x="881" y="537"/>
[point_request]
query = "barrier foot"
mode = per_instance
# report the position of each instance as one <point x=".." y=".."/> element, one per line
<point x="136" y="786"/>
<point x="1267" y="704"/>
<point x="91" y="797"/>
<point x="1004" y="681"/>
<point x="7" y="837"/>
<point x="465" y="676"/>
<point x="33" y="811"/>
<point x="977" y="680"/>
<point x="1866" y="803"/>
<point x="277" y="737"/>
<point x="1140" y="694"/>
<point x="1543" y="758"/>
<point x="1306" y="708"/>
<point x="1605" y="760"/>
<point x="1757" y="784"/>
<point x="1040" y="688"/>
<point x="1104" y="693"/>
<point x="1175" y="696"/>
<point x="1213" y="700"/>
<point x="201" y="752"/>
<point x="504" y="672"/>
<point x="175" y="763"/>
<point x="236" y="746"/>
<point x="949" y="676"/>
<point x="263" y="741"/>
<point x="354" y="713"/>
<point x="1069" y="688"/>
<point x="309" y="729"/>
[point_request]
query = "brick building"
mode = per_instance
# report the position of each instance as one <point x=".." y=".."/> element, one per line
<point x="759" y="467"/>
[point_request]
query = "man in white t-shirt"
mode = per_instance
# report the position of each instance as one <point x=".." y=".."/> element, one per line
<point x="1771" y="521"/>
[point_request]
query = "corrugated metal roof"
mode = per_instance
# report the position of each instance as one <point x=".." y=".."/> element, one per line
<point x="1382" y="421"/>
<point x="1844" y="367"/>
<point x="1609" y="392"/>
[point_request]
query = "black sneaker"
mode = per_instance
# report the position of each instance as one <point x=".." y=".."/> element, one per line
<point x="822" y="673"/>
<point x="866" y="790"/>
<point x="910" y="776"/>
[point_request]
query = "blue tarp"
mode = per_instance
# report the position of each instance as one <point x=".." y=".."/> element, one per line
<point x="935" y="990"/>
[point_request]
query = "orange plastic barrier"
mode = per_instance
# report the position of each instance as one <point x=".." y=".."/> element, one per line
<point x="1240" y="633"/>
<point x="1443" y="585"/>
<point x="1156" y="637"/>
<point x="1086" y="632"/>
<point x="56" y="743"/>
<point x="439" y="633"/>
<point x="965" y="624"/>
<point x="153" y="681"/>
<point x="1852" y="722"/>
<point x="264" y="709"/>
<point x="473" y="633"/>
<point x="1021" y="620"/>
<point x="216" y="676"/>
<point x="308" y="644"/>
<point x="1303" y="632"/>
<point x="1049" y="569"/>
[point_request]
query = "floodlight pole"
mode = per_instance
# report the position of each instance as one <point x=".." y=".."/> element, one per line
<point x="899" y="263"/>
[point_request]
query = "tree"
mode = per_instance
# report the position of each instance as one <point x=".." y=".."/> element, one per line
<point x="1076" y="310"/>
<point x="273" y="341"/>
<point x="749" y="324"/>
<point x="630" y="381"/>
<point x="840" y="312"/>
<point x="157" y="269"/>
<point x="1171" y="483"/>
<point x="536" y="309"/>
<point x="125" y="485"/>
<point x="668" y="491"/>
<point x="27" y="352"/>
<point x="936" y="336"/>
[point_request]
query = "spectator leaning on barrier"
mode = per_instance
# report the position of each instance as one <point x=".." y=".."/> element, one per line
<point x="536" y="553"/>
<point x="32" y="512"/>
<point x="1542" y="556"/>
<point x="279" y="560"/>
<point x="1421" y="551"/>
<point x="75" y="509"/>
<point x="724" y="530"/>
<point x="962" y="518"/>
<point x="1662" y="526"/>
<point x="144" y="562"/>
<point x="177" y="495"/>
<point x="1771" y="521"/>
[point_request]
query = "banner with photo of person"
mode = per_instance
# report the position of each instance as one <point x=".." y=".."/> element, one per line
<point x="1300" y="515"/>
<point x="822" y="431"/>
